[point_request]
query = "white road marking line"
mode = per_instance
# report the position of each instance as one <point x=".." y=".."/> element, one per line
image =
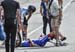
<point x="35" y="30"/>
<point x="67" y="5"/>
<point x="42" y="25"/>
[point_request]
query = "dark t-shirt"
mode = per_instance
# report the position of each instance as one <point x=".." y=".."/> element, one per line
<point x="44" y="8"/>
<point x="10" y="8"/>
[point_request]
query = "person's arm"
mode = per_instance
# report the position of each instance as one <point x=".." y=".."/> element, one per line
<point x="1" y="11"/>
<point x="18" y="15"/>
<point x="60" y="12"/>
<point x="29" y="16"/>
<point x="60" y="2"/>
<point x="41" y="10"/>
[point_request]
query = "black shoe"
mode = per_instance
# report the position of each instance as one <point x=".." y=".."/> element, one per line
<point x="61" y="44"/>
<point x="64" y="38"/>
<point x="57" y="44"/>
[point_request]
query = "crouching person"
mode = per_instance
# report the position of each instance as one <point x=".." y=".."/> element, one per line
<point x="25" y="16"/>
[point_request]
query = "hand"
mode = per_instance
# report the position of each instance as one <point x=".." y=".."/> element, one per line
<point x="42" y="14"/>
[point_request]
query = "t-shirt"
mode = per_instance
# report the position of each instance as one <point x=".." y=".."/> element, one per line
<point x="24" y="13"/>
<point x="54" y="9"/>
<point x="43" y="5"/>
<point x="10" y="8"/>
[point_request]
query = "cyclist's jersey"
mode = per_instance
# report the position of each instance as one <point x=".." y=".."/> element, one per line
<point x="24" y="13"/>
<point x="38" y="42"/>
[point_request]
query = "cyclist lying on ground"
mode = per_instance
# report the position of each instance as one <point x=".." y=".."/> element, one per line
<point x="41" y="42"/>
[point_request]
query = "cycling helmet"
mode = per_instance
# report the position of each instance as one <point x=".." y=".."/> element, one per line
<point x="31" y="8"/>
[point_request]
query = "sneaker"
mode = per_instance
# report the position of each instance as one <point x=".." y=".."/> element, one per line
<point x="57" y="44"/>
<point x="61" y="44"/>
<point x="64" y="38"/>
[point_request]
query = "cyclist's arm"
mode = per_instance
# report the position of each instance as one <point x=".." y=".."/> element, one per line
<point x="29" y="16"/>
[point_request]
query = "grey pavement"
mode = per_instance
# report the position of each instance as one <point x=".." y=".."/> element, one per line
<point x="67" y="29"/>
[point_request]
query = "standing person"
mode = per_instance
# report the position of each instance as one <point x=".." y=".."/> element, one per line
<point x="59" y="5"/>
<point x="11" y="9"/>
<point x="46" y="19"/>
<point x="25" y="16"/>
<point x="54" y="14"/>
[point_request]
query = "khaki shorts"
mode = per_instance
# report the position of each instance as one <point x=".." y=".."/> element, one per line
<point x="55" y="22"/>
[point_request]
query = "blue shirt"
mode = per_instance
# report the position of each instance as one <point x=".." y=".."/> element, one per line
<point x="44" y="8"/>
<point x="54" y="8"/>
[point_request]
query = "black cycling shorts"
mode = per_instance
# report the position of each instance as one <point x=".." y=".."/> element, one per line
<point x="25" y="22"/>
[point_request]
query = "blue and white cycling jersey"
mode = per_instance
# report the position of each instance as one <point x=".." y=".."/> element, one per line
<point x="37" y="42"/>
<point x="24" y="12"/>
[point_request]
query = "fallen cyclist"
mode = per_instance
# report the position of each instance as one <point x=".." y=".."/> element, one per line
<point x="41" y="42"/>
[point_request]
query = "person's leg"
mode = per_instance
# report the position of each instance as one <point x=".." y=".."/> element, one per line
<point x="19" y="36"/>
<point x="52" y="31"/>
<point x="62" y="38"/>
<point x="18" y="41"/>
<point x="50" y="25"/>
<point x="44" y="24"/>
<point x="24" y="32"/>
<point x="7" y="38"/>
<point x="25" y="24"/>
<point x="18" y="29"/>
<point x="54" y="26"/>
<point x="13" y="37"/>
<point x="56" y="29"/>
<point x="7" y="42"/>
<point x="57" y="36"/>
